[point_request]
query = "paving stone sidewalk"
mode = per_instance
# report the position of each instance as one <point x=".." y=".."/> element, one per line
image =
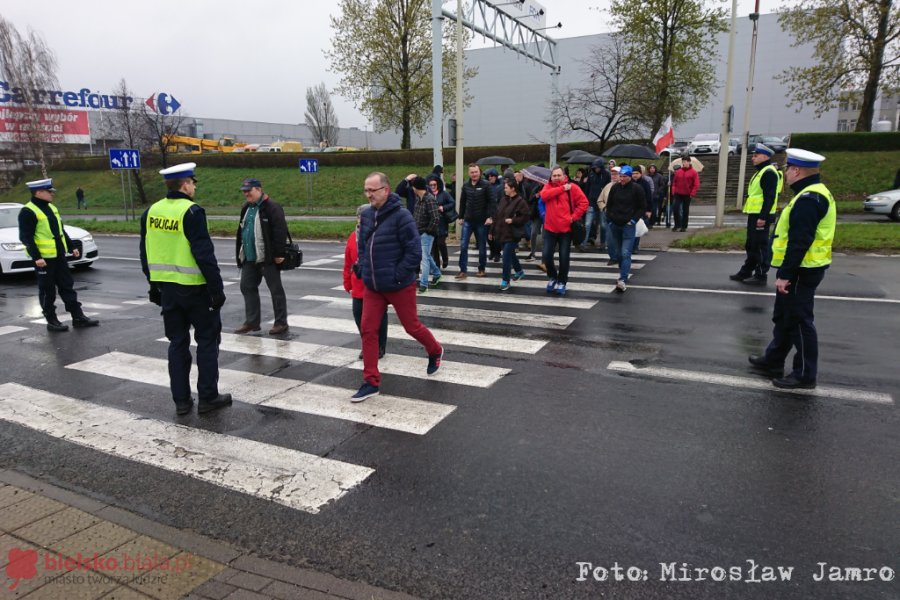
<point x="57" y="544"/>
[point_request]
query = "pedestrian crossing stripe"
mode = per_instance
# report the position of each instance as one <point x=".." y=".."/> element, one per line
<point x="292" y="478"/>
<point x="518" y="300"/>
<point x="473" y="375"/>
<point x="447" y="337"/>
<point x="63" y="318"/>
<point x="11" y="329"/>
<point x="137" y="302"/>
<point x="598" y="256"/>
<point x="389" y="412"/>
<point x="319" y="262"/>
<point x="589" y="265"/>
<point x="531" y="284"/>
<point x="500" y="317"/>
<point x="494" y="276"/>
<point x="749" y="383"/>
<point x="98" y="306"/>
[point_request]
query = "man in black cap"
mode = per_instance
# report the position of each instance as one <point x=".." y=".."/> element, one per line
<point x="259" y="249"/>
<point x="47" y="243"/>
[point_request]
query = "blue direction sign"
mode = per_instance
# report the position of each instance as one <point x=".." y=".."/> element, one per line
<point x="309" y="165"/>
<point x="124" y="158"/>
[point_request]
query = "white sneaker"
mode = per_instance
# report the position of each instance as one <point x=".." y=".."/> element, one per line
<point x="620" y="286"/>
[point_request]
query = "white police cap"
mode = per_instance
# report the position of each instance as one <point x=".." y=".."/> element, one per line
<point x="41" y="184"/>
<point x="804" y="158"/>
<point x="762" y="149"/>
<point x="179" y="171"/>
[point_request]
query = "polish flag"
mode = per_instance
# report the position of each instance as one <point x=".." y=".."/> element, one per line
<point x="665" y="137"/>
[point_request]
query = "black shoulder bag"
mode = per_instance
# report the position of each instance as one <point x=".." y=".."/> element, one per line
<point x="293" y="255"/>
<point x="577" y="226"/>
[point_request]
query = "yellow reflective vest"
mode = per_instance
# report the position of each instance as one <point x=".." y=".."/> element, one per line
<point x="43" y="235"/>
<point x="168" y="250"/>
<point x="754" y="202"/>
<point x="819" y="253"/>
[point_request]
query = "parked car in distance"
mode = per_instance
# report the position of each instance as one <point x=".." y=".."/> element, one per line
<point x="884" y="203"/>
<point x="267" y="148"/>
<point x="709" y="143"/>
<point x="13" y="258"/>
<point x="30" y="164"/>
<point x="734" y="146"/>
<point x="775" y="143"/>
<point x="676" y="149"/>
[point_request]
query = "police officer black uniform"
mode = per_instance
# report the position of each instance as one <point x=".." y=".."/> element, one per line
<point x="179" y="261"/>
<point x="759" y="206"/>
<point x="801" y="250"/>
<point x="46" y="242"/>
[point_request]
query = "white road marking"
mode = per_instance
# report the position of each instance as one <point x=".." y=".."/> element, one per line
<point x="319" y="262"/>
<point x="120" y="258"/>
<point x="472" y="314"/>
<point x="98" y="306"/>
<point x="750" y="383"/>
<point x="227" y="283"/>
<point x="63" y="318"/>
<point x="295" y="479"/>
<point x="602" y="265"/>
<point x="501" y="298"/>
<point x="768" y="294"/>
<point x="137" y="302"/>
<point x="11" y="329"/>
<point x="532" y="284"/>
<point x="387" y="411"/>
<point x="599" y="255"/>
<point x="473" y="375"/>
<point x="449" y="337"/>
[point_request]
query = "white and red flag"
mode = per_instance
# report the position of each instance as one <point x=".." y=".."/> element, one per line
<point x="665" y="137"/>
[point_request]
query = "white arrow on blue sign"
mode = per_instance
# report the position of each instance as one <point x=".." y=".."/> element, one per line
<point x="309" y="165"/>
<point x="124" y="158"/>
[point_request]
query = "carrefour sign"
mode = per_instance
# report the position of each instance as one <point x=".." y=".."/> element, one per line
<point x="164" y="104"/>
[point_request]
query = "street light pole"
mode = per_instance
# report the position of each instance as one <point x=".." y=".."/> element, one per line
<point x="726" y="121"/>
<point x="460" y="175"/>
<point x="745" y="136"/>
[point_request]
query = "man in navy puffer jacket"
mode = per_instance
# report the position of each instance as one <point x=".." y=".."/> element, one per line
<point x="390" y="250"/>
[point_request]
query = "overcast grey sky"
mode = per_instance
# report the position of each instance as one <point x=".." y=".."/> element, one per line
<point x="230" y="59"/>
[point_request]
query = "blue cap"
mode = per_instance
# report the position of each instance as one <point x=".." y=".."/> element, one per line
<point x="179" y="171"/>
<point x="250" y="183"/>
<point x="763" y="149"/>
<point x="626" y="170"/>
<point x="41" y="184"/>
<point x="804" y="158"/>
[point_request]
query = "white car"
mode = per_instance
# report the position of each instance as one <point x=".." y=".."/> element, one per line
<point x="12" y="252"/>
<point x="884" y="203"/>
<point x="709" y="143"/>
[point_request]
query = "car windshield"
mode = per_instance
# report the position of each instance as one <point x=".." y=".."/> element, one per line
<point x="774" y="140"/>
<point x="9" y="217"/>
<point x="707" y="137"/>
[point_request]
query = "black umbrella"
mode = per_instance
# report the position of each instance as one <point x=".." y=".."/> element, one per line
<point x="495" y="160"/>
<point x="630" y="151"/>
<point x="536" y="173"/>
<point x="569" y="154"/>
<point x="580" y="157"/>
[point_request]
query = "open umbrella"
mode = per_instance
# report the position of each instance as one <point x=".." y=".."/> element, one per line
<point x="495" y="160"/>
<point x="568" y="154"/>
<point x="630" y="151"/>
<point x="535" y="173"/>
<point x="580" y="157"/>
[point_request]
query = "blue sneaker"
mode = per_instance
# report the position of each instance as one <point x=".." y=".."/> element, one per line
<point x="504" y="285"/>
<point x="551" y="286"/>
<point x="518" y="276"/>
<point x="434" y="362"/>
<point x="367" y="390"/>
<point x="560" y="289"/>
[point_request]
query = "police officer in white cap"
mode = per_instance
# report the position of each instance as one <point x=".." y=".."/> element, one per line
<point x="46" y="242"/>
<point x="801" y="251"/>
<point x="759" y="206"/>
<point x="179" y="261"/>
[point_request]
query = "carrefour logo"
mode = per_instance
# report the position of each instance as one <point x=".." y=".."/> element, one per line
<point x="163" y="103"/>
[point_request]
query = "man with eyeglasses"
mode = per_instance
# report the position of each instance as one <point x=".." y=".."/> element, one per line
<point x="801" y="251"/>
<point x="389" y="250"/>
<point x="260" y="243"/>
<point x="47" y="243"/>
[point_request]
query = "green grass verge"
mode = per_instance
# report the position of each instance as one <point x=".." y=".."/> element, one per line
<point x="848" y="237"/>
<point x="318" y="230"/>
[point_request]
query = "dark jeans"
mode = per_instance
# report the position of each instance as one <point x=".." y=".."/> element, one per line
<point x="794" y="326"/>
<point x="564" y="241"/>
<point x="383" y="329"/>
<point x="620" y="244"/>
<point x="510" y="260"/>
<point x="252" y="275"/>
<point x="757" y="249"/>
<point x="439" y="251"/>
<point x="681" y="211"/>
<point x="56" y="275"/>
<point x="480" y="231"/>
<point x="183" y="307"/>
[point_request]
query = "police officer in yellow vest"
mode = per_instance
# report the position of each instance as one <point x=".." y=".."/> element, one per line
<point x="179" y="261"/>
<point x="801" y="250"/>
<point x="759" y="206"/>
<point x="46" y="242"/>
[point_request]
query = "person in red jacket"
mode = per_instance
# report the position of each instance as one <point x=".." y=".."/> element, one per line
<point x="564" y="203"/>
<point x="355" y="287"/>
<point x="685" y="184"/>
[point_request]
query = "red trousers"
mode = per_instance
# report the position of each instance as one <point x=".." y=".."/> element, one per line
<point x="374" y="305"/>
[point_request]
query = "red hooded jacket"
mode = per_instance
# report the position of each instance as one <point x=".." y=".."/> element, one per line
<point x="352" y="283"/>
<point x="559" y="214"/>
<point x="686" y="182"/>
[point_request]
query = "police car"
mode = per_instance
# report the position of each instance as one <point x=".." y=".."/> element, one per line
<point x="12" y="252"/>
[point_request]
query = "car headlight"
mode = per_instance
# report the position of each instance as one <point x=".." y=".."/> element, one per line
<point x="13" y="246"/>
<point x="877" y="199"/>
<point x="87" y="238"/>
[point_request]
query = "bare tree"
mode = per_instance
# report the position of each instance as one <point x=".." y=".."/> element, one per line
<point x="128" y="124"/>
<point x="28" y="66"/>
<point x="320" y="117"/>
<point x="602" y="107"/>
<point x="159" y="128"/>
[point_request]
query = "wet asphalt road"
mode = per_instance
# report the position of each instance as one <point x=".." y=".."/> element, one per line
<point x="560" y="462"/>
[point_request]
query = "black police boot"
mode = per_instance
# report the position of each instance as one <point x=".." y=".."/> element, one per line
<point x="760" y="363"/>
<point x="220" y="401"/>
<point x="53" y="323"/>
<point x="81" y="320"/>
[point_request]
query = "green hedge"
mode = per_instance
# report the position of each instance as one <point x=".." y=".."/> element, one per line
<point x="853" y="141"/>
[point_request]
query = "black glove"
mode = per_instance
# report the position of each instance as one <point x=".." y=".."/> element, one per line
<point x="357" y="270"/>
<point x="155" y="295"/>
<point x="217" y="299"/>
